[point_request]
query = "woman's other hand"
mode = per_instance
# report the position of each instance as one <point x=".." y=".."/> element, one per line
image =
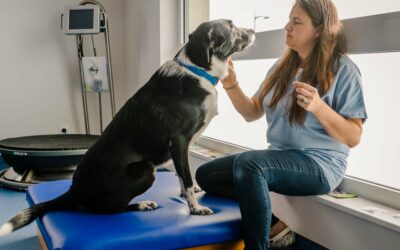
<point x="307" y="96"/>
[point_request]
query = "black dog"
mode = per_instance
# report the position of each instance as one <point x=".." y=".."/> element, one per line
<point x="158" y="123"/>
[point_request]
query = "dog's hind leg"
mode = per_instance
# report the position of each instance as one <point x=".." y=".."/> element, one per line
<point x="141" y="176"/>
<point x="134" y="180"/>
<point x="179" y="153"/>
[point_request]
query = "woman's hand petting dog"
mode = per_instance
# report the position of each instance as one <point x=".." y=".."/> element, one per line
<point x="230" y="80"/>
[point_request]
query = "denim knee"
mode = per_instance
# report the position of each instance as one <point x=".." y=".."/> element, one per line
<point x="245" y="166"/>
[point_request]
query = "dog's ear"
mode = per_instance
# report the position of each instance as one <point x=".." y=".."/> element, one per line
<point x="211" y="42"/>
<point x="198" y="48"/>
<point x="217" y="40"/>
<point x="222" y="46"/>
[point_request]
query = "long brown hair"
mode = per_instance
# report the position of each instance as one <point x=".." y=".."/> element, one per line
<point x="319" y="67"/>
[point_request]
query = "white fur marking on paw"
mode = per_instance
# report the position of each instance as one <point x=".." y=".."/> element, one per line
<point x="194" y="206"/>
<point x="146" y="205"/>
<point x="6" y="229"/>
<point x="197" y="189"/>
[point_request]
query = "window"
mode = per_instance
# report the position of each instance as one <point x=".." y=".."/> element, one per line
<point x="250" y="13"/>
<point x="377" y="157"/>
<point x="229" y="125"/>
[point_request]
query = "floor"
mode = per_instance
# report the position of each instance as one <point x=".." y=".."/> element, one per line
<point x="11" y="202"/>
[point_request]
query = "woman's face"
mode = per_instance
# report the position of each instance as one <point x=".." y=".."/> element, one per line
<point x="300" y="33"/>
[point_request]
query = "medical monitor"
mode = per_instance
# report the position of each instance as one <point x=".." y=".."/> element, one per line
<point x="81" y="19"/>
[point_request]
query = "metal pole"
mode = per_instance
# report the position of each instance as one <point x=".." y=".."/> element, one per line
<point x="109" y="67"/>
<point x="108" y="52"/>
<point x="83" y="87"/>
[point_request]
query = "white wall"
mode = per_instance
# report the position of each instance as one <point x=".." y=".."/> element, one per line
<point x="169" y="24"/>
<point x="142" y="39"/>
<point x="198" y="12"/>
<point x="151" y="38"/>
<point x="39" y="75"/>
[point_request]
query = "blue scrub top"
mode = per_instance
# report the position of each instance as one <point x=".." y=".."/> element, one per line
<point x="345" y="97"/>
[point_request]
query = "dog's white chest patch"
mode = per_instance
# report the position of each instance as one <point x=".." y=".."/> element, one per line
<point x="210" y="104"/>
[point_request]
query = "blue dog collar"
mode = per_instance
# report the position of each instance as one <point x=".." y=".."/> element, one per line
<point x="200" y="72"/>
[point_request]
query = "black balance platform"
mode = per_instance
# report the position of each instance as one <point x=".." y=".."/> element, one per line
<point x="34" y="159"/>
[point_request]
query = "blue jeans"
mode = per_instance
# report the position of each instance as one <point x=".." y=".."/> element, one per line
<point x="250" y="176"/>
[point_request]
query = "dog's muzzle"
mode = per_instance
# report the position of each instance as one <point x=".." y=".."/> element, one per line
<point x="245" y="37"/>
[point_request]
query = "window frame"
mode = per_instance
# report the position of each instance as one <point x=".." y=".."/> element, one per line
<point x="183" y="20"/>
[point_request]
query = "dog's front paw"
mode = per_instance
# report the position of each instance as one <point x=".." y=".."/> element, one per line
<point x="201" y="210"/>
<point x="146" y="205"/>
<point x="197" y="189"/>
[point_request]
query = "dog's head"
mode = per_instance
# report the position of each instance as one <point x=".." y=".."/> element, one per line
<point x="215" y="41"/>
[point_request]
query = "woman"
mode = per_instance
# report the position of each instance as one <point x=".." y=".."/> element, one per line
<point x="314" y="107"/>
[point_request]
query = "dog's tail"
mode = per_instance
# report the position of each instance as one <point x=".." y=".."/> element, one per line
<point x="65" y="201"/>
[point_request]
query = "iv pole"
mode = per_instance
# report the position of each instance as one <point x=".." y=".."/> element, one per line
<point x="103" y="28"/>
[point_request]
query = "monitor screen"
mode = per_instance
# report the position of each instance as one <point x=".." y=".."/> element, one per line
<point x="81" y="19"/>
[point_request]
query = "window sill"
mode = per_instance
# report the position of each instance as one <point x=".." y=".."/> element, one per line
<point x="373" y="210"/>
<point x="365" y="209"/>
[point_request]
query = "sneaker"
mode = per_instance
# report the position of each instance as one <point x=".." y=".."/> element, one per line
<point x="283" y="239"/>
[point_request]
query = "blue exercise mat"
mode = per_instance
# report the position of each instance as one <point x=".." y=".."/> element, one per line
<point x="169" y="227"/>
